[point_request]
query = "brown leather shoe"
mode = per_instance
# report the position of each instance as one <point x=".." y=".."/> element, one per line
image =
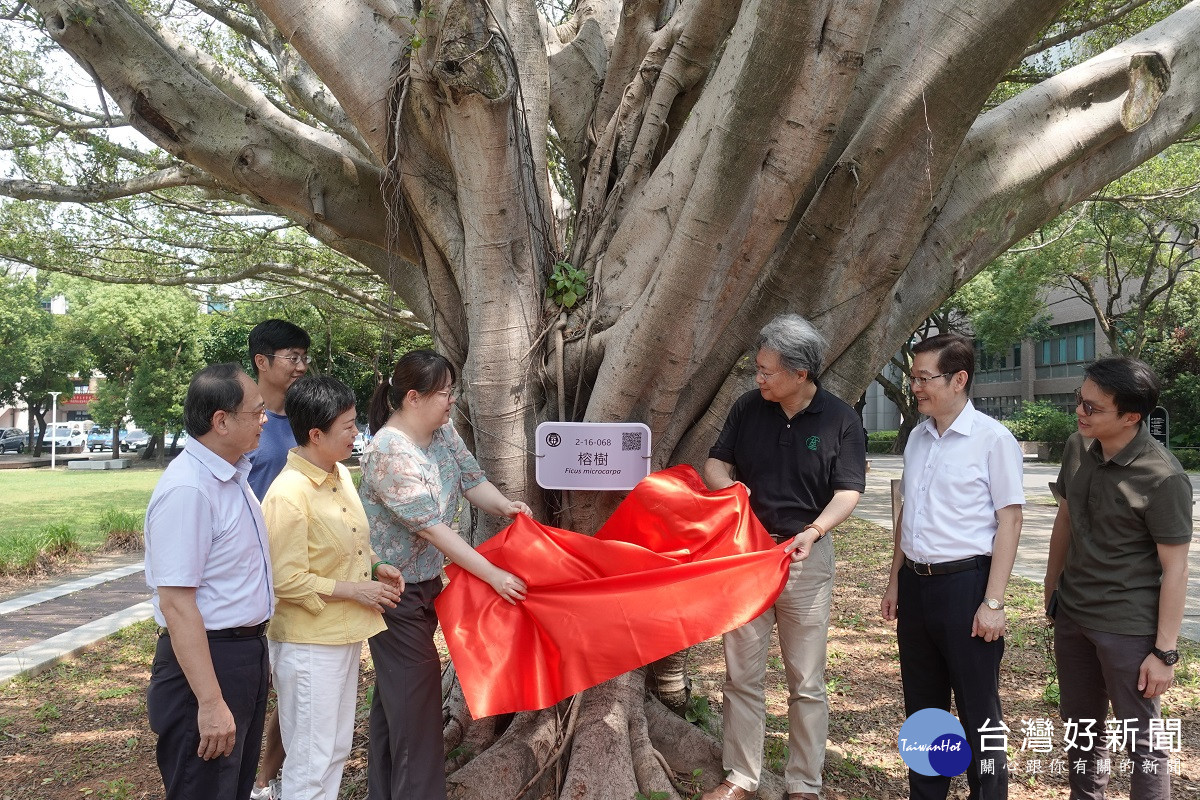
<point x="803" y="796"/>
<point x="727" y="791"/>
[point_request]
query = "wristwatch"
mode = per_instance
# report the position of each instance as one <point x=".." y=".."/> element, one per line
<point x="993" y="603"/>
<point x="1168" y="657"/>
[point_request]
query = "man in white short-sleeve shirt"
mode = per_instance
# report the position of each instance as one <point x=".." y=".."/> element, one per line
<point x="955" y="544"/>
<point x="208" y="565"/>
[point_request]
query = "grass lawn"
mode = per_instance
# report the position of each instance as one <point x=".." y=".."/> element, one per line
<point x="32" y="499"/>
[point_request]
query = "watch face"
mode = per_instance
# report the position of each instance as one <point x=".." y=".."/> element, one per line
<point x="994" y="604"/>
<point x="1168" y="657"/>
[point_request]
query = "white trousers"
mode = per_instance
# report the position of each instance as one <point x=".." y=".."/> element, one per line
<point x="802" y="614"/>
<point x="317" y="685"/>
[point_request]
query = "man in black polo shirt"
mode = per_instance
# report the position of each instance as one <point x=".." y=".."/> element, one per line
<point x="802" y="453"/>
<point x="1116" y="578"/>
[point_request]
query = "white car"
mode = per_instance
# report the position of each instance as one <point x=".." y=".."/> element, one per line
<point x="64" y="437"/>
<point x="360" y="443"/>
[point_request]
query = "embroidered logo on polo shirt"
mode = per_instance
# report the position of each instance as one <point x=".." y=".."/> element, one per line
<point x="813" y="442"/>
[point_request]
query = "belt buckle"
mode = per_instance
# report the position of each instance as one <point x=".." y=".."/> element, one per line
<point x="928" y="569"/>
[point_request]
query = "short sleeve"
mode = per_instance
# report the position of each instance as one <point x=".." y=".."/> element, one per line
<point x="1006" y="467"/>
<point x="850" y="466"/>
<point x="1169" y="513"/>
<point x="176" y="553"/>
<point x="723" y="449"/>
<point x="468" y="466"/>
<point x="396" y="481"/>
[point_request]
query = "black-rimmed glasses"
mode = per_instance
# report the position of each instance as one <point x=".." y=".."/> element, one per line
<point x="296" y="360"/>
<point x="920" y="381"/>
<point x="1088" y="408"/>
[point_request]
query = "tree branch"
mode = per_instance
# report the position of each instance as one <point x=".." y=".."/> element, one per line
<point x="179" y="175"/>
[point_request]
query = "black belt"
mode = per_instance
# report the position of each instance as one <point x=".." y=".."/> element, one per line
<point x="247" y="632"/>
<point x="947" y="567"/>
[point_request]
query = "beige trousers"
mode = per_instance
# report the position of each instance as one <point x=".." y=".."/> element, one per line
<point x="802" y="614"/>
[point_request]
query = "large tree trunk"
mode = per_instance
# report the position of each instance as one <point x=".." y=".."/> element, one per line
<point x="730" y="160"/>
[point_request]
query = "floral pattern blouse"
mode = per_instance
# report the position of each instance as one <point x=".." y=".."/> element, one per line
<point x="406" y="488"/>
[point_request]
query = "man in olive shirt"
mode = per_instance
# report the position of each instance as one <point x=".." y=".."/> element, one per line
<point x="1116" y="579"/>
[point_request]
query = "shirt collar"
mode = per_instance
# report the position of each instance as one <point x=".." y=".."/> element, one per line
<point x="815" y="406"/>
<point x="307" y="468"/>
<point x="963" y="424"/>
<point x="221" y="469"/>
<point x="1140" y="441"/>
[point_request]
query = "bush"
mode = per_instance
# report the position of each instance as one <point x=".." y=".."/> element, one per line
<point x="122" y="530"/>
<point x="881" y="441"/>
<point x="1189" y="457"/>
<point x="28" y="553"/>
<point x="1039" y="421"/>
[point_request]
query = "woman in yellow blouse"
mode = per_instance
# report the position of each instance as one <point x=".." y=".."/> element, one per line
<point x="328" y="603"/>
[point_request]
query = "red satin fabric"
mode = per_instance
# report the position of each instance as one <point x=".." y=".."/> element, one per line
<point x="675" y="564"/>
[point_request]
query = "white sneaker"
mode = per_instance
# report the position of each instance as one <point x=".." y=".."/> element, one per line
<point x="268" y="792"/>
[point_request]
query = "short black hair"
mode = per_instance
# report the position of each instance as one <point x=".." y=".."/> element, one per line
<point x="215" y="388"/>
<point x="272" y="335"/>
<point x="955" y="353"/>
<point x="1132" y="383"/>
<point x="316" y="401"/>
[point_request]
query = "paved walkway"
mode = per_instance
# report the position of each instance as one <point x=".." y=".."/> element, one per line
<point x="57" y="620"/>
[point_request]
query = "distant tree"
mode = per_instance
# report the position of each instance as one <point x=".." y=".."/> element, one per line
<point x="38" y="355"/>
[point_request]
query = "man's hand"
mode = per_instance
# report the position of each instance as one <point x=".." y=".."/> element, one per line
<point x="801" y="545"/>
<point x="890" y="601"/>
<point x="389" y="574"/>
<point x="989" y="624"/>
<point x="218" y="731"/>
<point x="1154" y="677"/>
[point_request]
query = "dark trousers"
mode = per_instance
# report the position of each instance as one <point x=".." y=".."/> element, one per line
<point x="242" y="669"/>
<point x="406" y="755"/>
<point x="938" y="656"/>
<point x="1095" y="667"/>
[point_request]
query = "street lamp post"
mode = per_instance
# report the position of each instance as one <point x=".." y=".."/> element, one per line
<point x="53" y="427"/>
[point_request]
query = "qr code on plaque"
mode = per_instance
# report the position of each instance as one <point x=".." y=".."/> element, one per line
<point x="631" y="440"/>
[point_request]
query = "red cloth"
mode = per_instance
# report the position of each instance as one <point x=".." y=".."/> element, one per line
<point x="675" y="564"/>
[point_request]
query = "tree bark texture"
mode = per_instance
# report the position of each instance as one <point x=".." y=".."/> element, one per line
<point x="728" y="160"/>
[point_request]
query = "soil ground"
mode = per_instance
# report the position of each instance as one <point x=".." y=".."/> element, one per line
<point x="79" y="730"/>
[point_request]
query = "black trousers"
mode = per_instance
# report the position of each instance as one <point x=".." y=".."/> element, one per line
<point x="939" y="657"/>
<point x="406" y="757"/>
<point x="242" y="670"/>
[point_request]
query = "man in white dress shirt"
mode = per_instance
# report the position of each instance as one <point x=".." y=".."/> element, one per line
<point x="955" y="544"/>
<point x="210" y="571"/>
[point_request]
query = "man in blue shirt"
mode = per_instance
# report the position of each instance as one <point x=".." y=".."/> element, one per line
<point x="279" y="351"/>
<point x="208" y="567"/>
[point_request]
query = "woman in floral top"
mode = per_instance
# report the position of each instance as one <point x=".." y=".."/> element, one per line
<point x="415" y="472"/>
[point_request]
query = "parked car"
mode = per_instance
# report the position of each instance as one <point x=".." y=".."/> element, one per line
<point x="179" y="443"/>
<point x="360" y="442"/>
<point x="13" y="440"/>
<point x="101" y="439"/>
<point x="64" y="437"/>
<point x="134" y="441"/>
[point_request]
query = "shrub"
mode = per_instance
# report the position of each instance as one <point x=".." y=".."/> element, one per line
<point x="881" y="441"/>
<point x="1039" y="421"/>
<point x="27" y="553"/>
<point x="1189" y="457"/>
<point x="122" y="530"/>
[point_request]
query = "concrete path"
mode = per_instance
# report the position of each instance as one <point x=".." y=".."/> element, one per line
<point x="62" y="617"/>
<point x="876" y="506"/>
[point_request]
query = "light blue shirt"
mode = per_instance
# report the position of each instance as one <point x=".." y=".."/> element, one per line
<point x="204" y="529"/>
<point x="953" y="485"/>
<point x="271" y="456"/>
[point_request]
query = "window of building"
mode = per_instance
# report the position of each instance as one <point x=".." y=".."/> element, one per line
<point x="1063" y="402"/>
<point x="997" y="407"/>
<point x="1067" y="350"/>
<point x="992" y="368"/>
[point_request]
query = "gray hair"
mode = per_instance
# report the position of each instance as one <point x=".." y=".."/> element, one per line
<point x="798" y="343"/>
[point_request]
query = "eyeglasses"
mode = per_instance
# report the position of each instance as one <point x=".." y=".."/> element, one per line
<point x="450" y="393"/>
<point x="296" y="360"/>
<point x="1088" y="408"/>
<point x="919" y="381"/>
<point x="260" y="411"/>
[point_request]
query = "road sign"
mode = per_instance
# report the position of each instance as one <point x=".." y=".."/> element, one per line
<point x="599" y="456"/>
<point x="1160" y="426"/>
